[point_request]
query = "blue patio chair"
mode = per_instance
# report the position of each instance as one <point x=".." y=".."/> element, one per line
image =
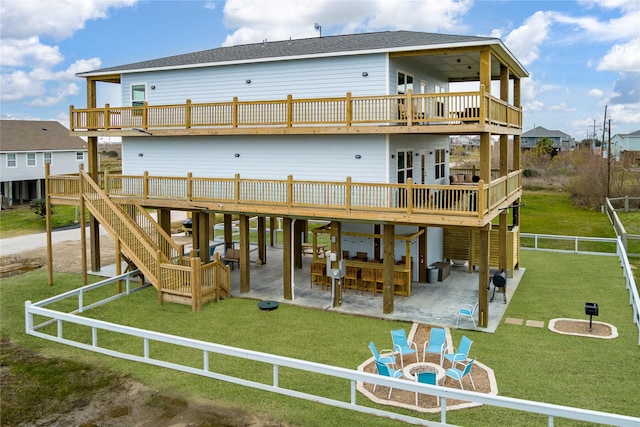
<point x="427" y="378"/>
<point x="468" y="311"/>
<point x="459" y="374"/>
<point x="402" y="345"/>
<point x="385" y="356"/>
<point x="386" y="371"/>
<point x="461" y="354"/>
<point x="436" y="343"/>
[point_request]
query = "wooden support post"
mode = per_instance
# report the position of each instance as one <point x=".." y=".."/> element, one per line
<point x="262" y="240"/>
<point x="83" y="240"/>
<point x="118" y="265"/>
<point x="164" y="219"/>
<point x="245" y="262"/>
<point x="203" y="236"/>
<point x="287" y="260"/>
<point x="299" y="228"/>
<point x="273" y="235"/>
<point x="195" y="226"/>
<point x="422" y="255"/>
<point x="483" y="276"/>
<point x="47" y="171"/>
<point x="228" y="232"/>
<point x="93" y="169"/>
<point x="336" y="247"/>
<point x="388" y="265"/>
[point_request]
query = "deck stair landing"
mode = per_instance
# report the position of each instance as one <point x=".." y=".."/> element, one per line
<point x="162" y="262"/>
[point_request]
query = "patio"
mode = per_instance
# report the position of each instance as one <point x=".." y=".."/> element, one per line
<point x="434" y="304"/>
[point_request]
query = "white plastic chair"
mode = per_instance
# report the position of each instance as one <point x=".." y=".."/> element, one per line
<point x="468" y="311"/>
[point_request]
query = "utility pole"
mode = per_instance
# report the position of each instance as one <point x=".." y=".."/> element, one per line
<point x="609" y="161"/>
<point x="604" y="128"/>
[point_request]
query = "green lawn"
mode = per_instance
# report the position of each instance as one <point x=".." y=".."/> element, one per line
<point x="529" y="363"/>
<point x="22" y="220"/>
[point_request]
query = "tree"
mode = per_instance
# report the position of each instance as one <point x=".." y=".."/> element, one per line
<point x="545" y="145"/>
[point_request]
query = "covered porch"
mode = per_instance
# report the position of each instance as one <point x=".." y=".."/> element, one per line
<point x="430" y="303"/>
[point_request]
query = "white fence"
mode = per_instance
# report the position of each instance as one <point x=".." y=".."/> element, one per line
<point x="47" y="318"/>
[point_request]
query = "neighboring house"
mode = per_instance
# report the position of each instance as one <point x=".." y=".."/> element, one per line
<point x="350" y="129"/>
<point x="561" y="141"/>
<point x="625" y="147"/>
<point x="25" y="147"/>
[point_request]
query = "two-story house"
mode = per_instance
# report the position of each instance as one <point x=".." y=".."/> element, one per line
<point x="350" y="129"/>
<point x="625" y="147"/>
<point x="25" y="146"/>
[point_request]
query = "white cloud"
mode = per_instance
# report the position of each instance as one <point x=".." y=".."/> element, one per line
<point x="28" y="52"/>
<point x="28" y="65"/>
<point x="525" y="41"/>
<point x="596" y="93"/>
<point x="278" y="20"/>
<point x="58" y="19"/>
<point x="622" y="57"/>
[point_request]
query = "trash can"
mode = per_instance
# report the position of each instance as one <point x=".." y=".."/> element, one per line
<point x="432" y="274"/>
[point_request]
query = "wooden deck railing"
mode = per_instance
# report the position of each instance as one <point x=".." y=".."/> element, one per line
<point x="354" y="199"/>
<point x="398" y="110"/>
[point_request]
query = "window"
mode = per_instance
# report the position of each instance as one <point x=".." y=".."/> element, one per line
<point x="31" y="159"/>
<point x="405" y="82"/>
<point x="11" y="160"/>
<point x="404" y="166"/>
<point x="48" y="158"/>
<point x="79" y="156"/>
<point x="440" y="163"/>
<point x="138" y="95"/>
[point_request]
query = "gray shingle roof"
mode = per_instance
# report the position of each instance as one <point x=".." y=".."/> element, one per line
<point x="34" y="135"/>
<point x="540" y="132"/>
<point x="302" y="47"/>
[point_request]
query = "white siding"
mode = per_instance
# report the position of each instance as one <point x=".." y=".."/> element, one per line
<point x="320" y="77"/>
<point x="313" y="157"/>
<point x="63" y="162"/>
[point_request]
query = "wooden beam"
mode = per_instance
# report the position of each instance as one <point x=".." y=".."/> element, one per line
<point x="336" y="247"/>
<point x="228" y="231"/>
<point x="422" y="256"/>
<point x="245" y="262"/>
<point x="203" y="233"/>
<point x="286" y="258"/>
<point x="262" y="240"/>
<point x="388" y="263"/>
<point x="483" y="277"/>
<point x="92" y="170"/>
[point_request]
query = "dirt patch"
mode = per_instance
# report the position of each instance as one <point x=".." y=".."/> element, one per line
<point x="123" y="402"/>
<point x="583" y="328"/>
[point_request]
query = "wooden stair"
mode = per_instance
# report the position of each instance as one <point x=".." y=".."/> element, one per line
<point x="162" y="262"/>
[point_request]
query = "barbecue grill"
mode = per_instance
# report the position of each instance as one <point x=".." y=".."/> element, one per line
<point x="499" y="280"/>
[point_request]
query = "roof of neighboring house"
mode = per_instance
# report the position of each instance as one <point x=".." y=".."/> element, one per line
<point x="351" y="44"/>
<point x="540" y="132"/>
<point x="34" y="135"/>
<point x="623" y="135"/>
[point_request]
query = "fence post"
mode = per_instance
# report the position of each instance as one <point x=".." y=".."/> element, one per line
<point x="626" y="204"/>
<point x="289" y="111"/>
<point x="189" y="186"/>
<point x="145" y="117"/>
<point x="236" y="189"/>
<point x="349" y="109"/>
<point x="196" y="274"/>
<point x="409" y="107"/>
<point x="289" y="191"/>
<point x="145" y="185"/>
<point x="107" y="117"/>
<point x="158" y="275"/>
<point x="409" y="196"/>
<point x="187" y="114"/>
<point x="347" y="196"/>
<point x="481" y="198"/>
<point x="234" y="112"/>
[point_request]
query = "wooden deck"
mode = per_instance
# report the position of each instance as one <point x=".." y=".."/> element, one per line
<point x="415" y="204"/>
<point x="454" y="113"/>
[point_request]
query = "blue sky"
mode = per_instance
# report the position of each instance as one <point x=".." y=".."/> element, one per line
<point x="582" y="55"/>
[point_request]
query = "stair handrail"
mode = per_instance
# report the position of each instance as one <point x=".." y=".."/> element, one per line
<point x="133" y="227"/>
<point x="164" y="239"/>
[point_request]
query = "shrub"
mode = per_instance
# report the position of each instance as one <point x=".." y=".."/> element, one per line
<point x="39" y="207"/>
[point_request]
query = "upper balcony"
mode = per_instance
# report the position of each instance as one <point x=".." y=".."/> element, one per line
<point x="453" y="113"/>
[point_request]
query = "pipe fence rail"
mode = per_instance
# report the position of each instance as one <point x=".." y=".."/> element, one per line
<point x="59" y="327"/>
